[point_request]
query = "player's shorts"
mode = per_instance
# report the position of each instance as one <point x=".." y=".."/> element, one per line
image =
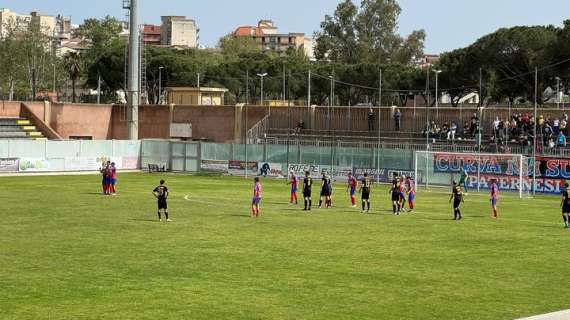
<point x="326" y="192"/>
<point x="352" y="191"/>
<point x="494" y="201"/>
<point x="162" y="204"/>
<point x="294" y="190"/>
<point x="396" y="196"/>
<point x="402" y="196"/>
<point x="307" y="193"/>
<point x="365" y="194"/>
<point x="456" y="203"/>
<point x="113" y="181"/>
<point x="566" y="209"/>
<point x="255" y="201"/>
<point x="411" y="197"/>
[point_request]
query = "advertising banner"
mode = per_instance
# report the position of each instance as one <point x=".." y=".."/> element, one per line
<point x="9" y="164"/>
<point x="268" y="169"/>
<point x="34" y="165"/>
<point x="214" y="165"/>
<point x="236" y="167"/>
<point x="385" y="175"/>
<point x="300" y="170"/>
<point x="487" y="164"/>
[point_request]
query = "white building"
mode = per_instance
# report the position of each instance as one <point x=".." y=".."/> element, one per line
<point x="178" y="31"/>
<point x="12" y="20"/>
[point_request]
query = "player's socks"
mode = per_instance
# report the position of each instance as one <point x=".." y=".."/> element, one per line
<point x="310" y="204"/>
<point x="368" y="205"/>
<point x="320" y="203"/>
<point x="394" y="208"/>
<point x="306" y="202"/>
<point x="363" y="205"/>
<point x="159" y="217"/>
<point x="166" y="214"/>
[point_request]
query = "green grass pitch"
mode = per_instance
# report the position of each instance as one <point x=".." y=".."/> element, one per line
<point x="67" y="252"/>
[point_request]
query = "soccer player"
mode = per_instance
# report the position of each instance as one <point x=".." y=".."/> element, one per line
<point x="565" y="206"/>
<point x="365" y="188"/>
<point x="161" y="194"/>
<point x="402" y="201"/>
<point x="395" y="192"/>
<point x="103" y="171"/>
<point x="256" y="198"/>
<point x="494" y="198"/>
<point x="107" y="178"/>
<point x="294" y="182"/>
<point x="351" y="188"/>
<point x="457" y="197"/>
<point x="113" y="180"/>
<point x="307" y="189"/>
<point x="411" y="195"/>
<point x="326" y="191"/>
<point x="463" y="178"/>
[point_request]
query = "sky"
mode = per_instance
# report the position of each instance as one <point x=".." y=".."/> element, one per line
<point x="449" y="24"/>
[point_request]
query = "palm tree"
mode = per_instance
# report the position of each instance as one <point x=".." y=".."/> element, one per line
<point x="73" y="65"/>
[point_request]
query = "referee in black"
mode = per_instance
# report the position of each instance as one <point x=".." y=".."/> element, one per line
<point x="457" y="197"/>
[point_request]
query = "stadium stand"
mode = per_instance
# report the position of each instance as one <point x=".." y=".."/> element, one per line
<point x="19" y="128"/>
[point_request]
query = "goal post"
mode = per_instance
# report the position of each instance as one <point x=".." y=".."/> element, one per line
<point x="511" y="171"/>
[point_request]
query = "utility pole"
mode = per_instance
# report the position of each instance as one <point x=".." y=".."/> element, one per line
<point x="199" y="93"/>
<point x="160" y="85"/>
<point x="99" y="89"/>
<point x="379" y="124"/>
<point x="309" y="90"/>
<point x="133" y="84"/>
<point x="247" y="86"/>
<point x="480" y="87"/>
<point x="535" y="140"/>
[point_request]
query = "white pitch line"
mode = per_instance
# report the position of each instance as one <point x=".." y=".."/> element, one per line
<point x="561" y="315"/>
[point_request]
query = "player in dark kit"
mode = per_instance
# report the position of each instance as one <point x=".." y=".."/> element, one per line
<point x="161" y="194"/>
<point x="365" y="189"/>
<point x="565" y="206"/>
<point x="395" y="192"/>
<point x="307" y="188"/>
<point x="326" y="192"/>
<point x="457" y="197"/>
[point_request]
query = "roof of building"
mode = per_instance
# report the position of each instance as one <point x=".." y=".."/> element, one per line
<point x="194" y="89"/>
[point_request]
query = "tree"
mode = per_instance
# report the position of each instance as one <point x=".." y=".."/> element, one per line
<point x="99" y="32"/>
<point x="232" y="45"/>
<point x="73" y="65"/>
<point x="367" y="34"/>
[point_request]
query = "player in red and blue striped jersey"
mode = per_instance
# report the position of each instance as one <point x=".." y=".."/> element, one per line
<point x="411" y="195"/>
<point x="256" y="198"/>
<point x="352" y="184"/>
<point x="494" y="199"/>
<point x="294" y="182"/>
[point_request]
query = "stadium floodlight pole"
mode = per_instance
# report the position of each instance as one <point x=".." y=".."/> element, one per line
<point x="427" y="125"/>
<point x="378" y="164"/>
<point x="535" y="123"/>
<point x="558" y="92"/>
<point x="263" y="75"/>
<point x="99" y="89"/>
<point x="134" y="69"/>
<point x="160" y="84"/>
<point x="437" y="72"/>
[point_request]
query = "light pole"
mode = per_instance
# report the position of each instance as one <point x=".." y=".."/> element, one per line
<point x="160" y="85"/>
<point x="558" y="92"/>
<point x="263" y="75"/>
<point x="437" y="72"/>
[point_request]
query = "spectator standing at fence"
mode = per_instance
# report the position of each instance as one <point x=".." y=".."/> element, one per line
<point x="452" y="131"/>
<point x="496" y="124"/>
<point x="474" y="125"/>
<point x="561" y="142"/>
<point x="397" y="119"/>
<point x="371" y="120"/>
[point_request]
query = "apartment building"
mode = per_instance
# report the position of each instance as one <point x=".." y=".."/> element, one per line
<point x="178" y="31"/>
